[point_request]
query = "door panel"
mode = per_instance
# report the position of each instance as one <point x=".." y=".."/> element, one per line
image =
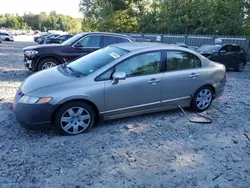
<point x="134" y="93"/>
<point x="179" y="86"/>
<point x="141" y="90"/>
<point x="183" y="77"/>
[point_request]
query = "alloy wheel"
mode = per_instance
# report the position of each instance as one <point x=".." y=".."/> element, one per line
<point x="75" y="120"/>
<point x="204" y="99"/>
<point x="241" y="66"/>
<point x="48" y="65"/>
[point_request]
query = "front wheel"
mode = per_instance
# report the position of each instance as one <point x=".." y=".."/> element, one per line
<point x="47" y="63"/>
<point x="74" y="118"/>
<point x="202" y="99"/>
<point x="240" y="66"/>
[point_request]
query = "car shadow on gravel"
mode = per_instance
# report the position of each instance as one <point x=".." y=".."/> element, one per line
<point x="13" y="75"/>
<point x="9" y="123"/>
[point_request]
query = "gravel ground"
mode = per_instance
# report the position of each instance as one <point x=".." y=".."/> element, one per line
<point x="155" y="150"/>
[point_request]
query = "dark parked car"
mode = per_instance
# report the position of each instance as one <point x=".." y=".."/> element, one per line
<point x="230" y="55"/>
<point x="36" y="38"/>
<point x="58" y="40"/>
<point x="45" y="56"/>
<point x="51" y="36"/>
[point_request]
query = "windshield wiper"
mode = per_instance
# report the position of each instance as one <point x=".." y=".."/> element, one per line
<point x="64" y="67"/>
<point x="76" y="73"/>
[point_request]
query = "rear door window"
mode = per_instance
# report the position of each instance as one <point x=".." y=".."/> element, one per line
<point x="227" y="48"/>
<point x="180" y="60"/>
<point x="108" y="40"/>
<point x="236" y="48"/>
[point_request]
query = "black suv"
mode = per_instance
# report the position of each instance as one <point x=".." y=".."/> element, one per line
<point x="41" y="57"/>
<point x="230" y="55"/>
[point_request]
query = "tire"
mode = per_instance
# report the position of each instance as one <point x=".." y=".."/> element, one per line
<point x="7" y="39"/>
<point x="67" y="121"/>
<point x="202" y="94"/>
<point x="47" y="63"/>
<point x="240" y="66"/>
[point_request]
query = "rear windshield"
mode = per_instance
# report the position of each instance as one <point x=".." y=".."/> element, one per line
<point x="209" y="48"/>
<point x="96" y="60"/>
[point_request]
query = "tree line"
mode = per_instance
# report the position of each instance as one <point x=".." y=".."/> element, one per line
<point x="222" y="17"/>
<point x="42" y="22"/>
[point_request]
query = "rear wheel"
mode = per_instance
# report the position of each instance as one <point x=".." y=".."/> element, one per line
<point x="74" y="118"/>
<point x="240" y="66"/>
<point x="202" y="99"/>
<point x="47" y="63"/>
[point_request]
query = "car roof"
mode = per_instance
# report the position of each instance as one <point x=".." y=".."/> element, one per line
<point x="106" y="33"/>
<point x="146" y="45"/>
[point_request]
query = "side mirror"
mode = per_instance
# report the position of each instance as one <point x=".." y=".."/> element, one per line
<point x="118" y="76"/>
<point x="223" y="52"/>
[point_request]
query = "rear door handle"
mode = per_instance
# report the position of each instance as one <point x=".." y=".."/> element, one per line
<point x="154" y="81"/>
<point x="194" y="75"/>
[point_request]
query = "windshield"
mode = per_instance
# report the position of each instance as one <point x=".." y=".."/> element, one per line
<point x="209" y="48"/>
<point x="96" y="60"/>
<point x="72" y="40"/>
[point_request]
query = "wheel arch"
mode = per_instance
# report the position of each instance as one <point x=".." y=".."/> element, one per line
<point x="205" y="85"/>
<point x="47" y="56"/>
<point x="96" y="110"/>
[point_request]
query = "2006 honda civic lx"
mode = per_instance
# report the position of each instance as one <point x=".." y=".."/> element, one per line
<point x="117" y="81"/>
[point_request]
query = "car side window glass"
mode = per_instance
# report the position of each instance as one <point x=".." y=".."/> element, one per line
<point x="225" y="48"/>
<point x="143" y="64"/>
<point x="90" y="41"/>
<point x="236" y="48"/>
<point x="179" y="60"/>
<point x="108" y="40"/>
<point x="106" y="75"/>
<point x="63" y="37"/>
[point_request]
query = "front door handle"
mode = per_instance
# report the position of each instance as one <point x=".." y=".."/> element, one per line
<point x="154" y="81"/>
<point x="194" y="75"/>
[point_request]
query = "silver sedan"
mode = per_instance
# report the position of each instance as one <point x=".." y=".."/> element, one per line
<point x="118" y="81"/>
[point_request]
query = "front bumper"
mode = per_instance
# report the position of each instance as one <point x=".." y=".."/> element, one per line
<point x="29" y="63"/>
<point x="33" y="116"/>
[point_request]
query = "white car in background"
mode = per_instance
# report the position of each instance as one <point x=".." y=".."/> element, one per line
<point x="6" y="36"/>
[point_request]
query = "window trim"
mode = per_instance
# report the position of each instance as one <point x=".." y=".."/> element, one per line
<point x="141" y="53"/>
<point x="166" y="61"/>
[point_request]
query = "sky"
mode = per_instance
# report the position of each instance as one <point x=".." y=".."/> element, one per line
<point x="66" y="7"/>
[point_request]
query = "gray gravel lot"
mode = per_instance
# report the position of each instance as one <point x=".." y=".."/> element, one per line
<point x="155" y="150"/>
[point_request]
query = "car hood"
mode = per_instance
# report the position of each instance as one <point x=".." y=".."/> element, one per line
<point x="43" y="79"/>
<point x="43" y="46"/>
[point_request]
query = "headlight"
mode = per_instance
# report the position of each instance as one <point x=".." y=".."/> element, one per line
<point x="30" y="53"/>
<point x="34" y="100"/>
